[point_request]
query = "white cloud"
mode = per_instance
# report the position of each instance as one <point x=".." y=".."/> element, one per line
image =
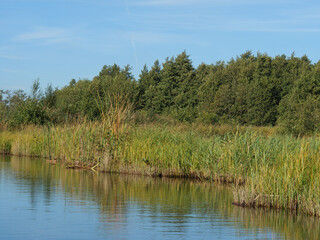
<point x="47" y="35"/>
<point x="11" y="57"/>
<point x="166" y="2"/>
<point x="223" y="23"/>
<point x="150" y="37"/>
<point x="281" y="25"/>
<point x="277" y="29"/>
<point x="197" y="2"/>
<point x="14" y="71"/>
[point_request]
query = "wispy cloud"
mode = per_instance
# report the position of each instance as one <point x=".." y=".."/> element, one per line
<point x="211" y="2"/>
<point x="304" y="14"/>
<point x="11" y="57"/>
<point x="133" y="43"/>
<point x="14" y="71"/>
<point x="47" y="35"/>
<point x="145" y="37"/>
<point x="286" y="25"/>
<point x="165" y="2"/>
<point x="162" y="22"/>
<point x="278" y="29"/>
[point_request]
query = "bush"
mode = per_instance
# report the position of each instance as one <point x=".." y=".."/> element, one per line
<point x="299" y="117"/>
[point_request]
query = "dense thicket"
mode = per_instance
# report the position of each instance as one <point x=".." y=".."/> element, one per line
<point x="248" y="90"/>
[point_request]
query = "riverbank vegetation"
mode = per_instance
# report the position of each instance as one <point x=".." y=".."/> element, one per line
<point x="252" y="121"/>
<point x="270" y="171"/>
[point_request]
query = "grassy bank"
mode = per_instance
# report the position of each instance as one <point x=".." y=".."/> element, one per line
<point x="268" y="170"/>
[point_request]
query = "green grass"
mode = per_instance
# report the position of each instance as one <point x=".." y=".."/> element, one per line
<point x="6" y="139"/>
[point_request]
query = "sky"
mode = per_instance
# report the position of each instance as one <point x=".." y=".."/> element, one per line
<point x="58" y="40"/>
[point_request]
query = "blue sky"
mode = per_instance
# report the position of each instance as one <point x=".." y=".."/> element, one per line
<point x="57" y="40"/>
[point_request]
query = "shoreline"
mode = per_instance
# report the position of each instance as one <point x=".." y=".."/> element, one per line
<point x="258" y="166"/>
<point x="225" y="181"/>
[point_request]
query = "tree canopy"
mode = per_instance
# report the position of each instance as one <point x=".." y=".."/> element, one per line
<point x="250" y="89"/>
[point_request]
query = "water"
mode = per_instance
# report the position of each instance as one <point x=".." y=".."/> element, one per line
<point x="43" y="201"/>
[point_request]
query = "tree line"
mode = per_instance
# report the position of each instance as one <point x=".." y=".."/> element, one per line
<point x="250" y="89"/>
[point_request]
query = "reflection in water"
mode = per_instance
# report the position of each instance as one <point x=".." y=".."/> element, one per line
<point x="39" y="200"/>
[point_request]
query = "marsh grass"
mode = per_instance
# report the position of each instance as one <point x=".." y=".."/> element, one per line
<point x="291" y="180"/>
<point x="83" y="143"/>
<point x="6" y="139"/>
<point x="267" y="169"/>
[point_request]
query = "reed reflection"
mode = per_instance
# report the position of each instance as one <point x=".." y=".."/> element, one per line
<point x="124" y="202"/>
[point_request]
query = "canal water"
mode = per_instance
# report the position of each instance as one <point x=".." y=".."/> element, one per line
<point x="39" y="200"/>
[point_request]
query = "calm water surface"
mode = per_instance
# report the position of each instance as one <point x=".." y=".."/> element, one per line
<point x="43" y="201"/>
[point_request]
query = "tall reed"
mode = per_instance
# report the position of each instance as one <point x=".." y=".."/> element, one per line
<point x="268" y="170"/>
<point x="115" y="112"/>
<point x="83" y="143"/>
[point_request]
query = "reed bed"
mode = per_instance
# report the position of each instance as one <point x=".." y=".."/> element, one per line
<point x="83" y="143"/>
<point x="6" y="139"/>
<point x="291" y="180"/>
<point x="268" y="170"/>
